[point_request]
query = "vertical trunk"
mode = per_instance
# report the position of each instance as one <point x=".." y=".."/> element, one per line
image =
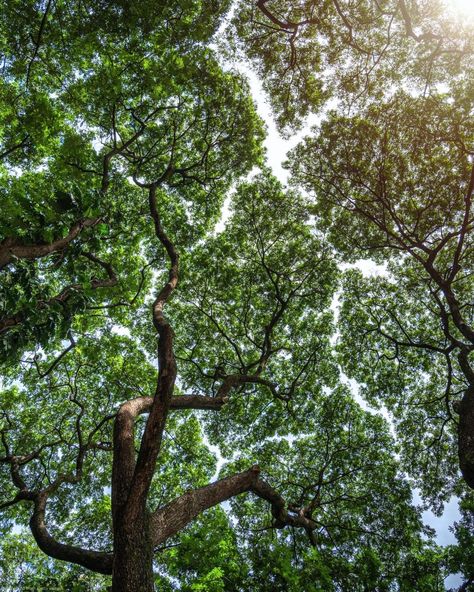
<point x="131" y="475"/>
<point x="133" y="549"/>
<point x="466" y="436"/>
<point x="133" y="555"/>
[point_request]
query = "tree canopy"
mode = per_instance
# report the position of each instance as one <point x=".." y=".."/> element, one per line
<point x="179" y="331"/>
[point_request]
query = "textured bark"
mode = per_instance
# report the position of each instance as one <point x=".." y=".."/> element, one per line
<point x="466" y="436"/>
<point x="131" y="563"/>
<point x="123" y="463"/>
<point x="93" y="560"/>
<point x="235" y="380"/>
<point x="133" y="555"/>
<point x="172" y="518"/>
<point x="124" y="434"/>
<point x="198" y="402"/>
<point x="167" y="370"/>
<point x="131" y="479"/>
<point x="10" y="250"/>
<point x="298" y="517"/>
<point x="133" y="550"/>
<point x="151" y="440"/>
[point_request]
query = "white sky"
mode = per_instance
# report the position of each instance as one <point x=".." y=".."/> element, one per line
<point x="463" y="9"/>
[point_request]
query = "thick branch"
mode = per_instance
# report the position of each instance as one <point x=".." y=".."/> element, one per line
<point x="452" y="302"/>
<point x="167" y="370"/>
<point x="96" y="561"/>
<point x="10" y="250"/>
<point x="132" y="480"/>
<point x="124" y="436"/>
<point x="173" y="517"/>
<point x="197" y="402"/>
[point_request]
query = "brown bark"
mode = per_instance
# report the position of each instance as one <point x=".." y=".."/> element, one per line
<point x="124" y="436"/>
<point x="133" y="555"/>
<point x="235" y="380"/>
<point x="94" y="560"/>
<point x="133" y="550"/>
<point x="466" y="436"/>
<point x="151" y="440"/>
<point x="198" y="402"/>
<point x="172" y="518"/>
<point x="134" y="542"/>
<point x="10" y="249"/>
<point x="131" y="480"/>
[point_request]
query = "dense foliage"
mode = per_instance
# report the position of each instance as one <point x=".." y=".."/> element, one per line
<point x="142" y="227"/>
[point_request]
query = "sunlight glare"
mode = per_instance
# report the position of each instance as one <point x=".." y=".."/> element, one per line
<point x="462" y="8"/>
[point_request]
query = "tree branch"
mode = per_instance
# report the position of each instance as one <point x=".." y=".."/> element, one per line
<point x="153" y="433"/>
<point x="172" y="518"/>
<point x="11" y="250"/>
<point x="7" y="323"/>
<point x="38" y="42"/>
<point x="20" y="144"/>
<point x="52" y="366"/>
<point x="124" y="436"/>
<point x="99" y="562"/>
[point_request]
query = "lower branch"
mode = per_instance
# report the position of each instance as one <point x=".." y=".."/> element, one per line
<point x="466" y="436"/>
<point x="10" y="249"/>
<point x="96" y="561"/>
<point x="172" y="518"/>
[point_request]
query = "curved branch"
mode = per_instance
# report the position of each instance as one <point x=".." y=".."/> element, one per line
<point x="124" y="436"/>
<point x="234" y="380"/>
<point x="172" y="518"/>
<point x="153" y="433"/>
<point x="167" y="290"/>
<point x="10" y="250"/>
<point x="38" y="41"/>
<point x="169" y="520"/>
<point x="97" y="561"/>
<point x="298" y="517"/>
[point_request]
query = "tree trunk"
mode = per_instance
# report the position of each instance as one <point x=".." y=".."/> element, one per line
<point x="466" y="436"/>
<point x="133" y="556"/>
